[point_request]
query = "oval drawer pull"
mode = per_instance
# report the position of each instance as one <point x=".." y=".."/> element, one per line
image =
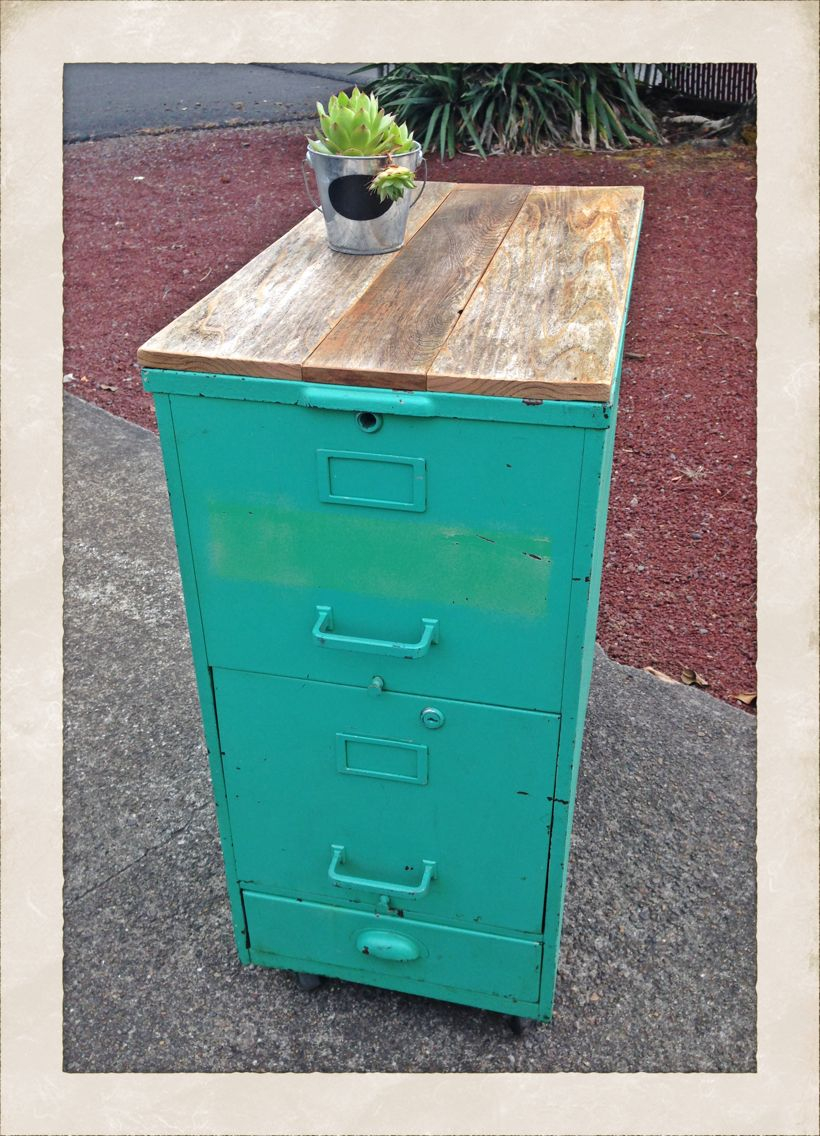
<point x="409" y="891"/>
<point x="387" y="945"/>
<point x="324" y="625"/>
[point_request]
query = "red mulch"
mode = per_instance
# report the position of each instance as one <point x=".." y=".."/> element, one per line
<point x="154" y="222"/>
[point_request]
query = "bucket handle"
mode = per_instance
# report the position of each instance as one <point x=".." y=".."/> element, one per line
<point x="306" y="163"/>
<point x="417" y="198"/>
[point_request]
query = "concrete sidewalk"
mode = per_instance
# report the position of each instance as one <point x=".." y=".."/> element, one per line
<point x="658" y="957"/>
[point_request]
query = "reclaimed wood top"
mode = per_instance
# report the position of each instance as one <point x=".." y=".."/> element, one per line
<point x="499" y="289"/>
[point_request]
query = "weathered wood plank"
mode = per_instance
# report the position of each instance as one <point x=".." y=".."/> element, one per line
<point x="268" y="317"/>
<point x="390" y="336"/>
<point x="546" y="317"/>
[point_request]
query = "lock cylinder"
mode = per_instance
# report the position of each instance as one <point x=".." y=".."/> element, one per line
<point x="432" y="718"/>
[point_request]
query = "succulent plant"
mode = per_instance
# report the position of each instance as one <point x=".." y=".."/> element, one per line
<point x="391" y="182"/>
<point x="354" y="125"/>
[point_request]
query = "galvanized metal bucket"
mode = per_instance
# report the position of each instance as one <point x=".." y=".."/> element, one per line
<point x="356" y="221"/>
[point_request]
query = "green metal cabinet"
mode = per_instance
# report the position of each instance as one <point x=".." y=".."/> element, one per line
<point x="479" y="518"/>
<point x="392" y="598"/>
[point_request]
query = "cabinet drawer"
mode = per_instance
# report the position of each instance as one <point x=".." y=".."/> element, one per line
<point x="340" y="796"/>
<point x="435" y="552"/>
<point x="385" y="951"/>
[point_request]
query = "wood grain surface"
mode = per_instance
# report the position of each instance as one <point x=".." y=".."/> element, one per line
<point x="499" y="290"/>
<point x="545" y="319"/>
<point x="392" y="333"/>
<point x="267" y="318"/>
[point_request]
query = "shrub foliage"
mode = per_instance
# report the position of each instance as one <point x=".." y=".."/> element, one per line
<point x="514" y="108"/>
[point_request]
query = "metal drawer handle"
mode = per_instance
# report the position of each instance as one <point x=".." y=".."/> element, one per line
<point x="416" y="404"/>
<point x="408" y="891"/>
<point x="324" y="624"/>
<point x="388" y="945"/>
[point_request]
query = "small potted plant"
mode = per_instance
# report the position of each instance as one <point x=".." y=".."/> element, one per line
<point x="364" y="163"/>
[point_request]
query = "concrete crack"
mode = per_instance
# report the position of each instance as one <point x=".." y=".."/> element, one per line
<point x="146" y="852"/>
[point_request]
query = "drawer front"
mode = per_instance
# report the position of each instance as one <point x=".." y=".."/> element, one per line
<point x="386" y="951"/>
<point x="345" y="797"/>
<point x="434" y="552"/>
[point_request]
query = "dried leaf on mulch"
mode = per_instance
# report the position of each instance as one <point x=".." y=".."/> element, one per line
<point x="749" y="699"/>
<point x="659" y="674"/>
<point x="692" y="678"/>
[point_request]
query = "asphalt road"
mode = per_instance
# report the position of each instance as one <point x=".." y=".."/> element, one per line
<point x="108" y="100"/>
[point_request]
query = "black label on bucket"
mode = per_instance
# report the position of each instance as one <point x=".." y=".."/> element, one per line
<point x="350" y="197"/>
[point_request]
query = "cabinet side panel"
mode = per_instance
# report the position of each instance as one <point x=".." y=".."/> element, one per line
<point x="586" y="590"/>
<point x="583" y="617"/>
<point x="556" y="889"/>
<point x="176" y="494"/>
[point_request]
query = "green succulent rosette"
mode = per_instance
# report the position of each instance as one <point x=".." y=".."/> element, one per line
<point x="392" y="182"/>
<point x="355" y="126"/>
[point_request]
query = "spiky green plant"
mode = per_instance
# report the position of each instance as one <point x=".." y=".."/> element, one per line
<point x="515" y="108"/>
<point x="354" y="125"/>
<point x="392" y="182"/>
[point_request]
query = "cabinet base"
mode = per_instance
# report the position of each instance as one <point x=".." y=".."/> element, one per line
<point x="490" y="972"/>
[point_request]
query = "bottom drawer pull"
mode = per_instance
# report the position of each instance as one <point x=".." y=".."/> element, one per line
<point x="408" y="891"/>
<point x="387" y="945"/>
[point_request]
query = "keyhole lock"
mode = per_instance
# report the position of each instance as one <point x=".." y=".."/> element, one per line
<point x="368" y="421"/>
<point x="433" y="719"/>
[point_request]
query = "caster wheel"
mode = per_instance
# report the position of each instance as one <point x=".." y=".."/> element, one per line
<point x="308" y="981"/>
<point x="517" y="1025"/>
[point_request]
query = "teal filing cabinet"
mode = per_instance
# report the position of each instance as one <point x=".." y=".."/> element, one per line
<point x="388" y="478"/>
